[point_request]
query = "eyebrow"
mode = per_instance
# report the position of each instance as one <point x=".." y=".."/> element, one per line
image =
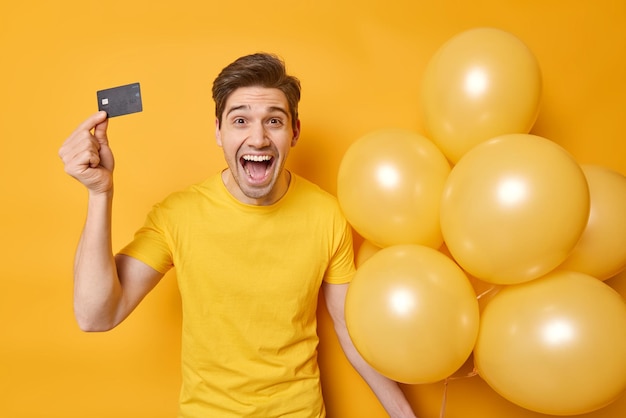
<point x="247" y="107"/>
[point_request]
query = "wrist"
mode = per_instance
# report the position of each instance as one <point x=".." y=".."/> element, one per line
<point x="100" y="198"/>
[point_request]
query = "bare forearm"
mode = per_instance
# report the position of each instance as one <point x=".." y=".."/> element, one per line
<point x="386" y="390"/>
<point x="96" y="286"/>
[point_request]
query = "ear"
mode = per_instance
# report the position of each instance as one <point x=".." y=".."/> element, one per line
<point x="296" y="134"/>
<point x="218" y="136"/>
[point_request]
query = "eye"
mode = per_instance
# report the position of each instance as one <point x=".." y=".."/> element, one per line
<point x="275" y="121"/>
<point x="239" y="121"/>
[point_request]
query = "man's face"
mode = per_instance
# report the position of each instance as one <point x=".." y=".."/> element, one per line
<point x="256" y="135"/>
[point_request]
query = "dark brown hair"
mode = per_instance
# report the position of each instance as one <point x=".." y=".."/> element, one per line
<point x="261" y="69"/>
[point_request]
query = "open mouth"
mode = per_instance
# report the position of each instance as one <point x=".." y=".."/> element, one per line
<point x="257" y="167"/>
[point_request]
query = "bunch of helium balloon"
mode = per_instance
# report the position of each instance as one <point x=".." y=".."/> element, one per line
<point x="483" y="208"/>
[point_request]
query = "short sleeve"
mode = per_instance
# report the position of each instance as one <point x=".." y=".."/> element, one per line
<point x="150" y="244"/>
<point x="341" y="268"/>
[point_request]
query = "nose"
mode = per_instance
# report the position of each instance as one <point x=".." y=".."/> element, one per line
<point x="258" y="136"/>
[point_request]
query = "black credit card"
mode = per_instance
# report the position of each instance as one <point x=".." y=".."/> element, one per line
<point x="122" y="100"/>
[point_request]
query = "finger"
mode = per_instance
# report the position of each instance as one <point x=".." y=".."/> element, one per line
<point x="77" y="164"/>
<point x="77" y="143"/>
<point x="100" y="131"/>
<point x="94" y="160"/>
<point x="91" y="122"/>
<point x="83" y="132"/>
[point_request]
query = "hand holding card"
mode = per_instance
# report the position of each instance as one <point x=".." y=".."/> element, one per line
<point x="122" y="100"/>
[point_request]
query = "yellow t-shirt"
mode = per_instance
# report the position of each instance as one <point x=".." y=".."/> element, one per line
<point x="249" y="278"/>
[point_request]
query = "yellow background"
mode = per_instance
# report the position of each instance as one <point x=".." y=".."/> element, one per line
<point x="361" y="65"/>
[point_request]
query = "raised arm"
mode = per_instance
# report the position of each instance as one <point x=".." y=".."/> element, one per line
<point x="386" y="390"/>
<point x="106" y="288"/>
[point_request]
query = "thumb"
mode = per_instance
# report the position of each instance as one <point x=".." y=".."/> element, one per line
<point x="100" y="130"/>
<point x="100" y="133"/>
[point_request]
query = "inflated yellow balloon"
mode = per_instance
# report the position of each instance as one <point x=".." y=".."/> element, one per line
<point x="555" y="345"/>
<point x="389" y="186"/>
<point x="513" y="208"/>
<point x="412" y="314"/>
<point x="601" y="251"/>
<point x="480" y="84"/>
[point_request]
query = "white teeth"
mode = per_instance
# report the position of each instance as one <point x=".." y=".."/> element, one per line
<point x="257" y="158"/>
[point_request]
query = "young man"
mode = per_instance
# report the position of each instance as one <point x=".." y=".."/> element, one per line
<point x="251" y="245"/>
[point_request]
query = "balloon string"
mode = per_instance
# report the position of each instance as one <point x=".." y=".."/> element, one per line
<point x="444" y="401"/>
<point x="485" y="292"/>
<point x="473" y="373"/>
